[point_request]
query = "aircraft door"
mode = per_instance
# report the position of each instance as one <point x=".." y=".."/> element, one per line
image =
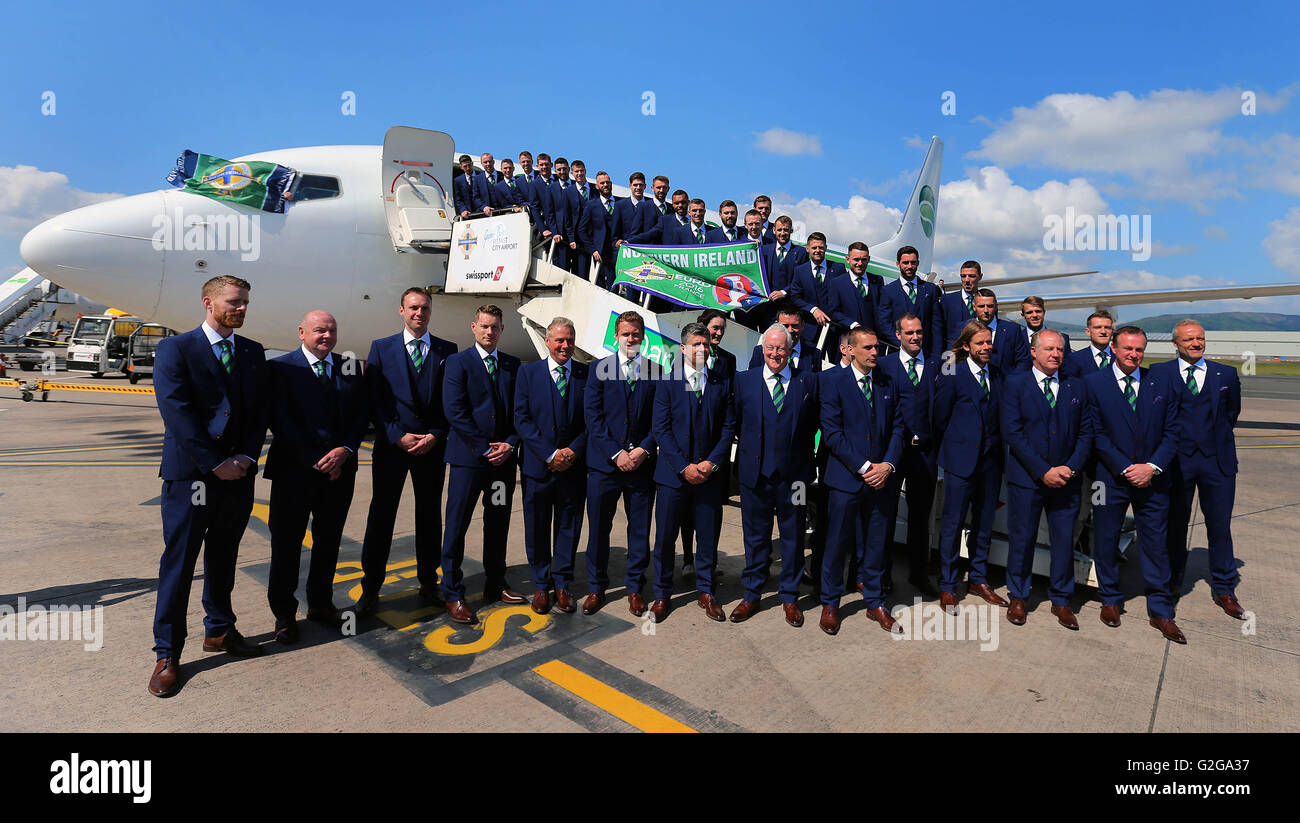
<point x="416" y="180"/>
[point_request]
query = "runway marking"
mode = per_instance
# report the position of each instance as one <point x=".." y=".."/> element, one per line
<point x="86" y="449"/>
<point x="625" y="708"/>
<point x="493" y="627"/>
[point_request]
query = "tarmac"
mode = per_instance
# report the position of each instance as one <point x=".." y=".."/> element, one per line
<point x="79" y="492"/>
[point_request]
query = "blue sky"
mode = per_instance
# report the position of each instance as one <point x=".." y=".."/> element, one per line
<point x="1110" y="108"/>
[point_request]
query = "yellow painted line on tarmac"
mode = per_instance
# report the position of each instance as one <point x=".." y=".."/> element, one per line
<point x="1279" y="446"/>
<point x="86" y="449"/>
<point x="625" y="708"/>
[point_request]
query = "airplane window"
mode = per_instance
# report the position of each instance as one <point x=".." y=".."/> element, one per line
<point x="315" y="187"/>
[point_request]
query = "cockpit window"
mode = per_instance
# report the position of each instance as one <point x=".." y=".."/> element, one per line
<point x="315" y="187"/>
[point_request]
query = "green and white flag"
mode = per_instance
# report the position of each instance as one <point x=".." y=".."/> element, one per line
<point x="717" y="276"/>
<point x="255" y="183"/>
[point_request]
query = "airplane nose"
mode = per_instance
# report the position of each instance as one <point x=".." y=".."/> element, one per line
<point x="105" y="252"/>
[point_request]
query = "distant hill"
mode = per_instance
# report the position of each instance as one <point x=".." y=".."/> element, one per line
<point x="1224" y="321"/>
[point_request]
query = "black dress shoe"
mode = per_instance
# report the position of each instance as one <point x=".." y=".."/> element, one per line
<point x="232" y="643"/>
<point x="367" y="605"/>
<point x="328" y="616"/>
<point x="924" y="586"/>
<point x="429" y="596"/>
<point x="286" y="631"/>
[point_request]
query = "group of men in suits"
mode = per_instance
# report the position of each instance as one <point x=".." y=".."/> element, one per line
<point x="994" y="400"/>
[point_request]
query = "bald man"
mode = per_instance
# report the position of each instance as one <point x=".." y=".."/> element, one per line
<point x="318" y="414"/>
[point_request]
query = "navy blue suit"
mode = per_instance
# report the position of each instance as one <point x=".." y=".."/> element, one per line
<point x="546" y="422"/>
<point x="404" y="401"/>
<point x="894" y="303"/>
<point x="480" y="411"/>
<point x="1083" y="363"/>
<point x="688" y="431"/>
<point x="209" y="415"/>
<point x="810" y="358"/>
<point x="775" y="462"/>
<point x="919" y="467"/>
<point x="471" y="196"/>
<point x="719" y="235"/>
<point x="1039" y="437"/>
<point x="684" y="235"/>
<point x="1126" y="435"/>
<point x="558" y="218"/>
<point x="848" y="306"/>
<point x="620" y="417"/>
<point x="956" y="314"/>
<point x="967" y="426"/>
<point x="663" y="232"/>
<point x="597" y="231"/>
<point x="504" y="196"/>
<point x="632" y="216"/>
<point x="1207" y="462"/>
<point x="856" y="433"/>
<point x="1011" y="348"/>
<point x="808" y="294"/>
<point x="780" y="274"/>
<point x="1065" y="338"/>
<point x="576" y="203"/>
<point x="310" y="417"/>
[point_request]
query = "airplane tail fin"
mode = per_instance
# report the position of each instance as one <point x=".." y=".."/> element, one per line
<point x="921" y="215"/>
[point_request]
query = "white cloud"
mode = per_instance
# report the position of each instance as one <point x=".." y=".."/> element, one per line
<point x="777" y="140"/>
<point x="29" y="196"/>
<point x="862" y="219"/>
<point x="1283" y="242"/>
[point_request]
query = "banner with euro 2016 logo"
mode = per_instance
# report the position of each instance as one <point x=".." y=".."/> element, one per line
<point x="717" y="276"/>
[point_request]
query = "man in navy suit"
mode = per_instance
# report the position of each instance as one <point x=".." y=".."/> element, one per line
<point x="695" y="232"/>
<point x="862" y="423"/>
<point x="478" y="399"/>
<point x="1048" y="438"/>
<point x="802" y="358"/>
<point x="1010" y="349"/>
<point x="621" y="460"/>
<point x="470" y="189"/>
<point x="1209" y="401"/>
<point x="777" y="414"/>
<point x="551" y="425"/>
<point x="854" y="298"/>
<point x="597" y="230"/>
<point x="821" y="493"/>
<point x="635" y="212"/>
<point x="780" y="260"/>
<point x="577" y="197"/>
<point x="694" y="425"/>
<point x="958" y="307"/>
<point x="751" y="317"/>
<point x="966" y="420"/>
<point x="763" y="205"/>
<point x="404" y="376"/>
<point x="210" y="385"/>
<point x="557" y="217"/>
<point x="914" y="373"/>
<point x="319" y="409"/>
<point x="1097" y="355"/>
<point x="508" y="192"/>
<point x="910" y="294"/>
<point x="728" y="232"/>
<point x="489" y="169"/>
<point x="1034" y="312"/>
<point x="810" y="287"/>
<point x="667" y="227"/>
<point x="1134" y="419"/>
<point x="659" y="188"/>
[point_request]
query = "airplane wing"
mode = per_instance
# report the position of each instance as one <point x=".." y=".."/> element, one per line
<point x="1133" y="298"/>
<point x="1007" y="281"/>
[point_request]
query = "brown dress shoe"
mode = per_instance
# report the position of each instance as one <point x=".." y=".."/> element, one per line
<point x="793" y="615"/>
<point x="948" y="601"/>
<point x="594" y="601"/>
<point x="459" y="612"/>
<point x="743" y="611"/>
<point x="505" y="594"/>
<point x="1169" y="629"/>
<point x="1229" y="604"/>
<point x="165" y="679"/>
<point x="541" y="601"/>
<point x="986" y="592"/>
<point x="830" y="620"/>
<point x="711" y="607"/>
<point x="882" y="617"/>
<point x="232" y="643"/>
<point x="636" y="603"/>
<point x="564" y="601"/>
<point x="1066" y="617"/>
<point x="659" y="611"/>
<point x="1016" y="611"/>
<point x="1110" y="615"/>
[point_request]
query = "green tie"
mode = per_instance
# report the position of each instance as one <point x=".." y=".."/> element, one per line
<point x="491" y="363"/>
<point x="1105" y="361"/>
<point x="609" y="207"/>
<point x="866" y="388"/>
<point x="911" y="292"/>
<point x="321" y="374"/>
<point x="695" y="387"/>
<point x="984" y="383"/>
<point x="1191" y="381"/>
<point x="699" y="235"/>
<point x="561" y="381"/>
<point x="970" y="305"/>
<point x="778" y="394"/>
<point x="780" y="254"/>
<point x="512" y="182"/>
<point x="1047" y="391"/>
<point x="1129" y="394"/>
<point x="862" y="288"/>
<point x="417" y="355"/>
<point x="911" y="372"/>
<point x="582" y="190"/>
<point x="227" y="356"/>
<point x="817" y="272"/>
<point x="631" y="375"/>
